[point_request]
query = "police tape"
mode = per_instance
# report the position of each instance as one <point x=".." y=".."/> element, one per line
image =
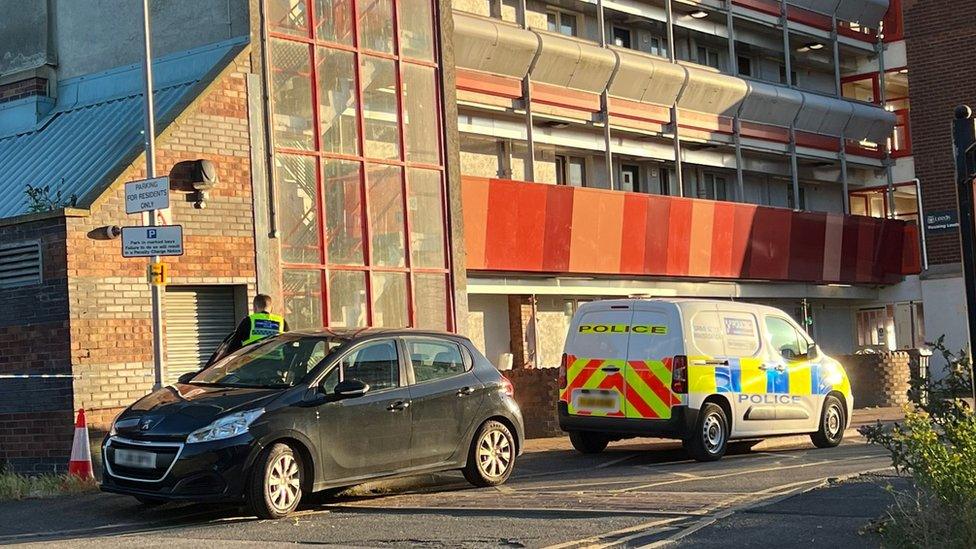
<point x="116" y="375"/>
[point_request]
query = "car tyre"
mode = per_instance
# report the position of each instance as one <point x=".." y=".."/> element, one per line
<point x="491" y="457"/>
<point x="833" y="419"/>
<point x="275" y="487"/>
<point x="150" y="501"/>
<point x="710" y="438"/>
<point x="588" y="443"/>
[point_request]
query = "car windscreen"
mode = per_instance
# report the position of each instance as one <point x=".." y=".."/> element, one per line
<point x="279" y="362"/>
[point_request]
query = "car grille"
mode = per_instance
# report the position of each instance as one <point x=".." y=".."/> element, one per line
<point x="166" y="455"/>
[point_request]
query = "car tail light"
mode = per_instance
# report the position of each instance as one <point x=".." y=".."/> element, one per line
<point x="563" y="368"/>
<point x="507" y="387"/>
<point x="679" y="375"/>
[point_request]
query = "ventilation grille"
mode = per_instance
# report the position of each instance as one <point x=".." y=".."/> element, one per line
<point x="20" y="264"/>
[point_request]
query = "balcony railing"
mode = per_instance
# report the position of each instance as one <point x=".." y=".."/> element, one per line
<point x="513" y="226"/>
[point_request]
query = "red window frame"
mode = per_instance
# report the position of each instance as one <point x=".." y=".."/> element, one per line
<point x="324" y="266"/>
<point x="899" y="148"/>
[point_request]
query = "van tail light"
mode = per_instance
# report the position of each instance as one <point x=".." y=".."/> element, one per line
<point x="507" y="387"/>
<point x="679" y="375"/>
<point x="563" y="368"/>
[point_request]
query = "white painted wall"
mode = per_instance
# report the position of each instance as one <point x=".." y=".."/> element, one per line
<point x="488" y="324"/>
<point x="944" y="300"/>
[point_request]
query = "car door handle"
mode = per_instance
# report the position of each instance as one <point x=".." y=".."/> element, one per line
<point x="465" y="391"/>
<point x="610" y="369"/>
<point x="717" y="362"/>
<point x="399" y="406"/>
<point x="777" y="367"/>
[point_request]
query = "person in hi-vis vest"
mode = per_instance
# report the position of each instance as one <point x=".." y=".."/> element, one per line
<point x="258" y="325"/>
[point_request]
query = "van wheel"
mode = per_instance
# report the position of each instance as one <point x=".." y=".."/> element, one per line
<point x="588" y="443"/>
<point x="711" y="435"/>
<point x="491" y="457"/>
<point x="832" y="422"/>
<point x="275" y="486"/>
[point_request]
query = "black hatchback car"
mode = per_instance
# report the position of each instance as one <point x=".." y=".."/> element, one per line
<point x="310" y="411"/>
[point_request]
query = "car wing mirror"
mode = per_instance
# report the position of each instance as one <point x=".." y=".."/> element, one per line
<point x="351" y="388"/>
<point x="813" y="352"/>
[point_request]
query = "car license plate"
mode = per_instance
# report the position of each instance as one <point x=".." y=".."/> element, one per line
<point x="596" y="401"/>
<point x="135" y="459"/>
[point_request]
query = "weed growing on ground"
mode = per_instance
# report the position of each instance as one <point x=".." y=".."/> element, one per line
<point x="46" y="485"/>
<point x="936" y="445"/>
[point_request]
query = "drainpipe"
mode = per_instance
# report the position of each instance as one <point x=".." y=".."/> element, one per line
<point x="840" y="94"/>
<point x="527" y="100"/>
<point x="921" y="224"/>
<point x="787" y="57"/>
<point x="736" y="124"/>
<point x="268" y="126"/>
<point x="879" y="48"/>
<point x="679" y="178"/>
<point x="605" y="102"/>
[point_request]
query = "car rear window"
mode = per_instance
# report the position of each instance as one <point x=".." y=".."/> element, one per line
<point x="434" y="359"/>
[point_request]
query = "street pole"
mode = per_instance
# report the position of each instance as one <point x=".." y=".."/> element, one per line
<point x="964" y="144"/>
<point x="150" y="135"/>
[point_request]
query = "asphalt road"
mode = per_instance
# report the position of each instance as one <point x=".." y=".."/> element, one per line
<point x="634" y="494"/>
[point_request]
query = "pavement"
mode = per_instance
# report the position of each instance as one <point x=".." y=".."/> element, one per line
<point x="637" y="493"/>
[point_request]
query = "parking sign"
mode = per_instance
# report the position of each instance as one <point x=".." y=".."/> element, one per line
<point x="150" y="241"/>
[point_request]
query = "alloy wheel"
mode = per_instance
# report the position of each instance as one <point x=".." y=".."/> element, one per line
<point x="284" y="482"/>
<point x="494" y="453"/>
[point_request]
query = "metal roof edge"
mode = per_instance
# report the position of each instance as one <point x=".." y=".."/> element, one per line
<point x="41" y="216"/>
<point x="127" y="80"/>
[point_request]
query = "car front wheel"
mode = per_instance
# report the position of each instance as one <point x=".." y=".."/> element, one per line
<point x="833" y="419"/>
<point x="276" y="485"/>
<point x="491" y="457"/>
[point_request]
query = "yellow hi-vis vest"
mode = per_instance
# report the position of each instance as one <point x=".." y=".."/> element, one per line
<point x="264" y="325"/>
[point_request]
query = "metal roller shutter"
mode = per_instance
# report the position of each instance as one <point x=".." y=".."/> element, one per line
<point x="197" y="319"/>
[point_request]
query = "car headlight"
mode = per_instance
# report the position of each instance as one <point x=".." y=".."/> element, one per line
<point x="112" y="432"/>
<point x="225" y="427"/>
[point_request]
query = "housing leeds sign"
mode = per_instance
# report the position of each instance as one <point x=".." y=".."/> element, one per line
<point x="938" y="222"/>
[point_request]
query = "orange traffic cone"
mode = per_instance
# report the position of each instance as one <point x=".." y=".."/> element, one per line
<point x="80" y="464"/>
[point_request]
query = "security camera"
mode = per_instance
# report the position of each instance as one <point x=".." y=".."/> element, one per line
<point x="194" y="177"/>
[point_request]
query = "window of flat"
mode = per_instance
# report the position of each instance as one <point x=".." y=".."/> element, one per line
<point x="563" y="22"/>
<point x="709" y="57"/>
<point x="713" y="187"/>
<point x="745" y="65"/>
<point x="792" y="201"/>
<point x="630" y="179"/>
<point x="655" y="45"/>
<point x="571" y="170"/>
<point x="622" y="37"/>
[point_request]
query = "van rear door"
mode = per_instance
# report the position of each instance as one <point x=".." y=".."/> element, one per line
<point x="596" y="356"/>
<point x="655" y="339"/>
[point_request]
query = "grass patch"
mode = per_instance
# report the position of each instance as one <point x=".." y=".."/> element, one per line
<point x="46" y="485"/>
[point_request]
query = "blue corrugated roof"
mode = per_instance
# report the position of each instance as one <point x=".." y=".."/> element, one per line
<point x="95" y="129"/>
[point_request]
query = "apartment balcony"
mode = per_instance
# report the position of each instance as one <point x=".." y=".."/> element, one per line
<point x="513" y="226"/>
<point x="568" y="76"/>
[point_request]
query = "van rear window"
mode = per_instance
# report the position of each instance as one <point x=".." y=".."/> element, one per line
<point x="601" y="334"/>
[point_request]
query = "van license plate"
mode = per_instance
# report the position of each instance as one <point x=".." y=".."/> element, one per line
<point x="596" y="402"/>
<point x="135" y="459"/>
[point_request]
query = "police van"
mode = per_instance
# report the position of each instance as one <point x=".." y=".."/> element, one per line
<point x="702" y="371"/>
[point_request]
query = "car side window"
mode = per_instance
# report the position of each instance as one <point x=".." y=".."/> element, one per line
<point x="376" y="363"/>
<point x="784" y="338"/>
<point x="434" y="359"/>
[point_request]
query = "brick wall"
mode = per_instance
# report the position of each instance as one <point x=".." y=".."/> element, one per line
<point x="881" y="379"/>
<point x="939" y="37"/>
<point x="35" y="416"/>
<point x="520" y="329"/>
<point x="111" y="333"/>
<point x="23" y="88"/>
<point x="537" y="391"/>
